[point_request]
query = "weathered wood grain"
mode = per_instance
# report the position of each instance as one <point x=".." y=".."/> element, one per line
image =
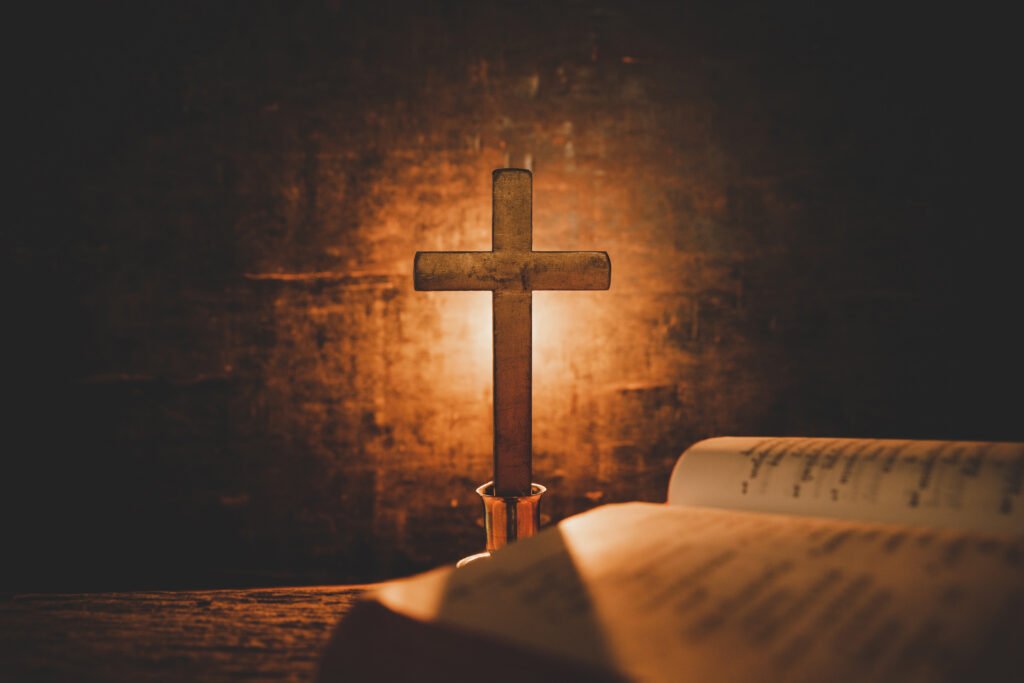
<point x="273" y="634"/>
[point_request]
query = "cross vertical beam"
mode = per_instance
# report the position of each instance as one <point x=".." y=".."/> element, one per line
<point x="513" y="392"/>
<point x="512" y="314"/>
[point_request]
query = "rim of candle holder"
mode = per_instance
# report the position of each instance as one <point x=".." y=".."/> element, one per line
<point x="487" y="491"/>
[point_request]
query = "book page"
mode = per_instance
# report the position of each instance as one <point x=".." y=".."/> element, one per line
<point x="660" y="593"/>
<point x="954" y="484"/>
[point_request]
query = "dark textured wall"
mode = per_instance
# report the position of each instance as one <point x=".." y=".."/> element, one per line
<point x="219" y="372"/>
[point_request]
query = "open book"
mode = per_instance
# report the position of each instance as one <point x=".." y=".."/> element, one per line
<point x="775" y="559"/>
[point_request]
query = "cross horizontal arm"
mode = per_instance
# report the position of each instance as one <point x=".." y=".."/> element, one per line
<point x="523" y="271"/>
<point x="455" y="270"/>
<point x="570" y="270"/>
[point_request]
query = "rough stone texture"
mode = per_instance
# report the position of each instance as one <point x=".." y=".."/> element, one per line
<point x="220" y="371"/>
<point x="221" y="635"/>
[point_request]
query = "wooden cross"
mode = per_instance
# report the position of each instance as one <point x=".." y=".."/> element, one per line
<point x="512" y="271"/>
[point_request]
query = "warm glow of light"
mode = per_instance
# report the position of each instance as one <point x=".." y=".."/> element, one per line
<point x="563" y="324"/>
<point x="569" y="358"/>
<point x="554" y="323"/>
<point x="465" y="318"/>
<point x="559" y="323"/>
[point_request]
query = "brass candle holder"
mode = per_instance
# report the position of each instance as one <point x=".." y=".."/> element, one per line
<point x="507" y="518"/>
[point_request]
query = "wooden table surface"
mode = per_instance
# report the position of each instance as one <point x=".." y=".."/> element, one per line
<point x="272" y="634"/>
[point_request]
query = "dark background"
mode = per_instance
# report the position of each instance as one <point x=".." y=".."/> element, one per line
<point x="218" y="372"/>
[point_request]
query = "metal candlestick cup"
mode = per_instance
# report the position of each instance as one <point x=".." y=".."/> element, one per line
<point x="507" y="518"/>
